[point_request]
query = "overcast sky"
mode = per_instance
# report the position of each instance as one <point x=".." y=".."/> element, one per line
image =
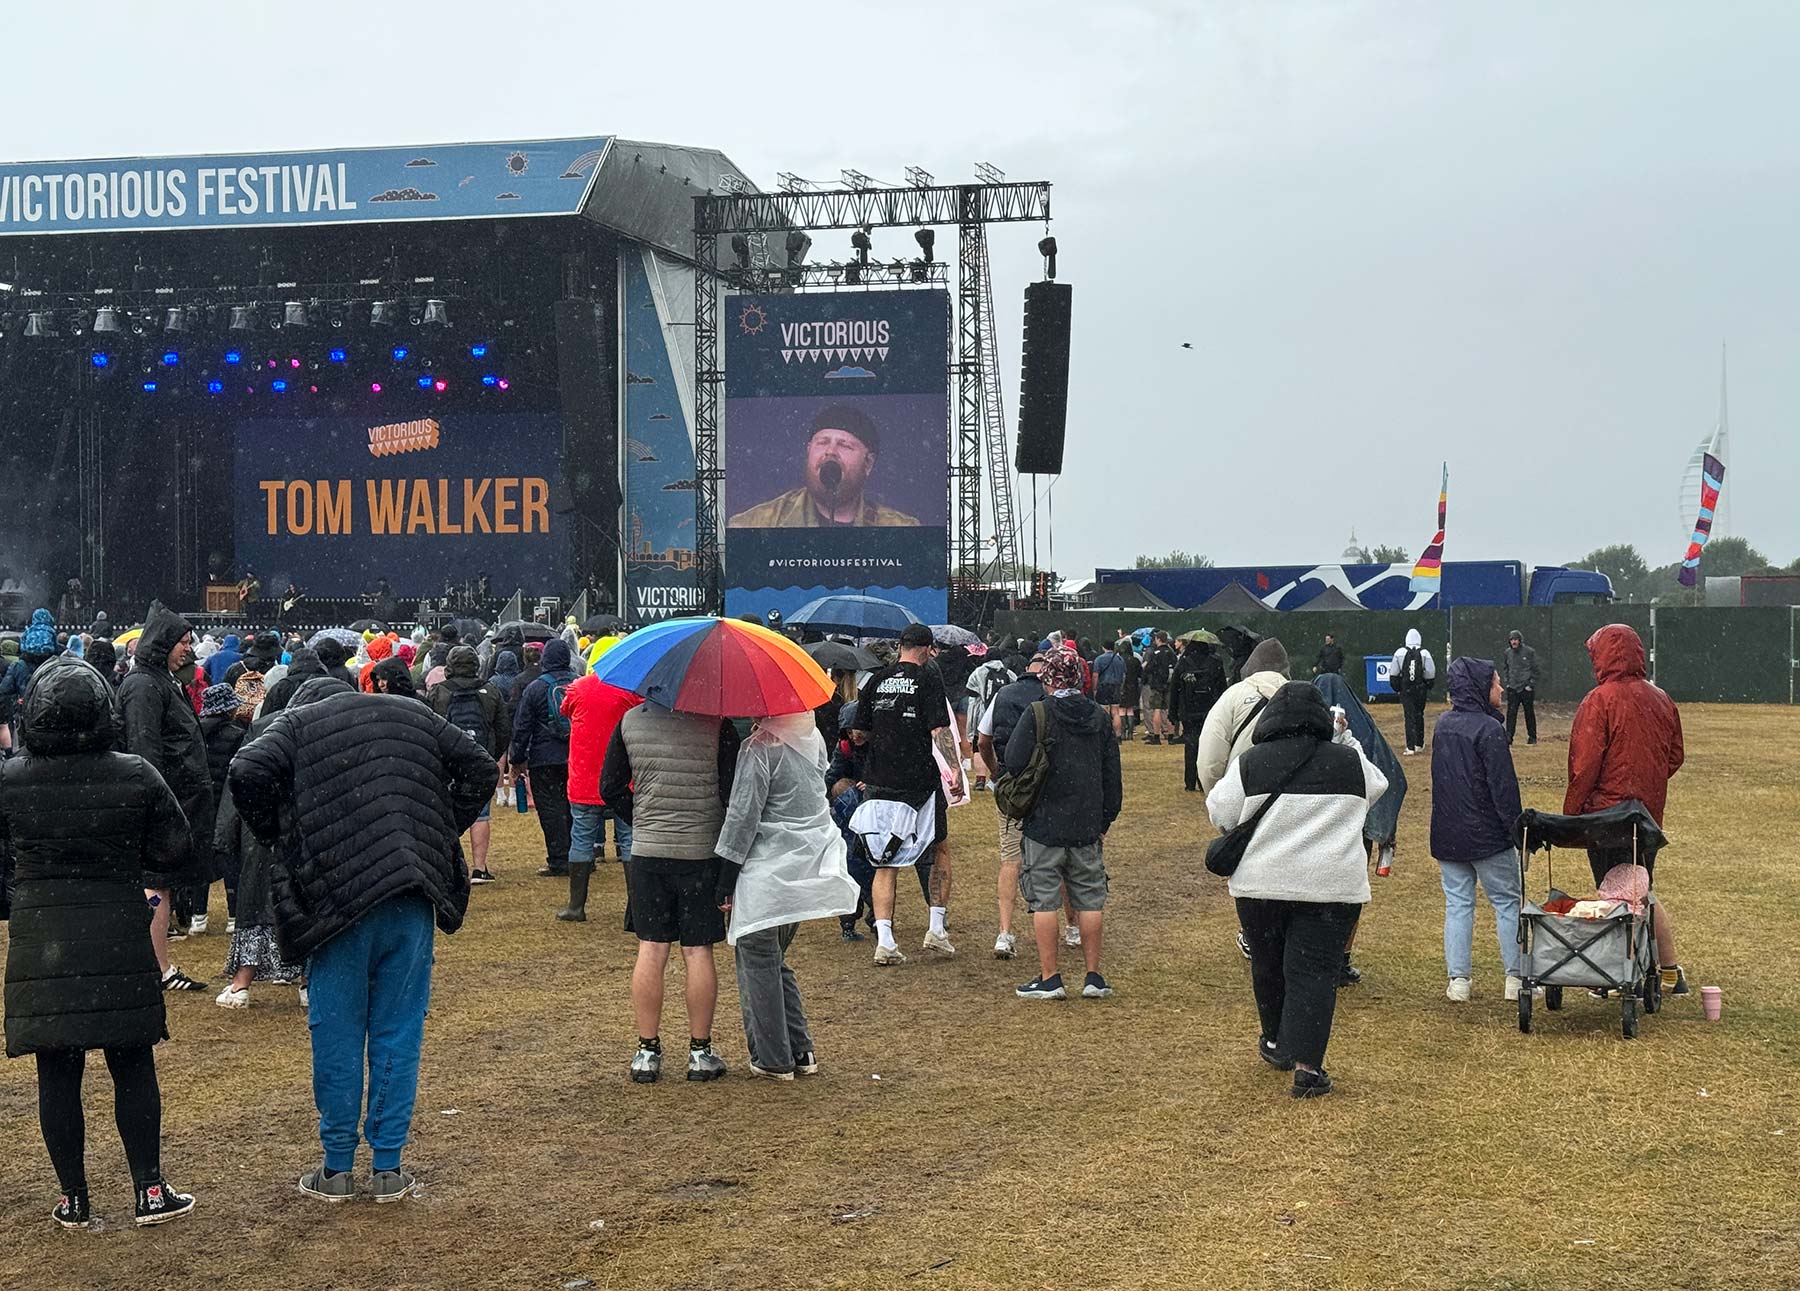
<point x="1513" y="235"/>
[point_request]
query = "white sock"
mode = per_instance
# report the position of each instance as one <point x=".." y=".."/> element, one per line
<point x="937" y="919"/>
<point x="884" y="934"/>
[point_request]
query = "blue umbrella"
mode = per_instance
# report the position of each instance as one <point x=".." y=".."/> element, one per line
<point x="862" y="616"/>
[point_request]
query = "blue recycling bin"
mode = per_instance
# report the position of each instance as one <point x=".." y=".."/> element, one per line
<point x="1375" y="677"/>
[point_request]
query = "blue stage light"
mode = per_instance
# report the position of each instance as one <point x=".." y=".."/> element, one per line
<point x="101" y="360"/>
<point x="170" y="358"/>
<point x="149" y="387"/>
<point x="232" y="356"/>
<point x="278" y="386"/>
<point x="490" y="380"/>
<point x="214" y="387"/>
<point x="425" y="382"/>
<point x="478" y="351"/>
<point x="337" y="356"/>
<point x="400" y="352"/>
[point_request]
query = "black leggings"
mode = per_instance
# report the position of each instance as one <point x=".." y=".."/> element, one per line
<point x="137" y="1106"/>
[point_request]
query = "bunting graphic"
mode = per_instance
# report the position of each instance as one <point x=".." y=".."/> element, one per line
<point x="1428" y="573"/>
<point x="1712" y="480"/>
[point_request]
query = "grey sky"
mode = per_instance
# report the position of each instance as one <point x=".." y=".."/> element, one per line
<point x="1512" y="235"/>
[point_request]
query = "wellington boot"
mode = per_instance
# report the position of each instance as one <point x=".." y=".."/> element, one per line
<point x="579" y="874"/>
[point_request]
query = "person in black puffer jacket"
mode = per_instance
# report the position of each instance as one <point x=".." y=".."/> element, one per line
<point x="162" y="728"/>
<point x="363" y="797"/>
<point x="302" y="667"/>
<point x="87" y="825"/>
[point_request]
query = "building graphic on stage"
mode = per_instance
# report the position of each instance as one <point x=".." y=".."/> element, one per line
<point x="835" y="447"/>
<point x="661" y="578"/>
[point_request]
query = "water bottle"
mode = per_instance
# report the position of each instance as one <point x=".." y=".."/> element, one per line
<point x="520" y="796"/>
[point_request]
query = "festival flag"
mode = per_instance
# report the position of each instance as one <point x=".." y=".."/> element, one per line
<point x="1712" y="480"/>
<point x="1428" y="573"/>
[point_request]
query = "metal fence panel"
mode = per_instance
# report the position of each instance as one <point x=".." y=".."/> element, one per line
<point x="1725" y="656"/>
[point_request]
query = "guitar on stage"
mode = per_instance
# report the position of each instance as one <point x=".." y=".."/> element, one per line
<point x="248" y="588"/>
<point x="290" y="598"/>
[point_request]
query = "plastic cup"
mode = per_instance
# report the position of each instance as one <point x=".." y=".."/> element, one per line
<point x="1712" y="1002"/>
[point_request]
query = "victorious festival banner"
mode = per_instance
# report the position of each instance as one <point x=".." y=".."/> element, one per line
<point x="331" y="504"/>
<point x="836" y="445"/>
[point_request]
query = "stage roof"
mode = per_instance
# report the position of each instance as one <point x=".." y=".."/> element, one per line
<point x="643" y="191"/>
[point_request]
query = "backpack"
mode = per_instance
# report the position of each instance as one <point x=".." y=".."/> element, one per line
<point x="1016" y="795"/>
<point x="1412" y="669"/>
<point x="466" y="711"/>
<point x="554" y="692"/>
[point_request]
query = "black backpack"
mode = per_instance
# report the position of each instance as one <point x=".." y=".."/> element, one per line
<point x="466" y="711"/>
<point x="1412" y="669"/>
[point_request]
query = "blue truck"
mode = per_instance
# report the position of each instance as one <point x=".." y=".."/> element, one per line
<point x="1376" y="587"/>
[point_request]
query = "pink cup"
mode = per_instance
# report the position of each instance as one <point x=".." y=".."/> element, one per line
<point x="1712" y="1002"/>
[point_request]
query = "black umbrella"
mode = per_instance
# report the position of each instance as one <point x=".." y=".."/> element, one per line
<point x="470" y="631"/>
<point x="601" y="625"/>
<point x="520" y="630"/>
<point x="836" y="655"/>
<point x="368" y="625"/>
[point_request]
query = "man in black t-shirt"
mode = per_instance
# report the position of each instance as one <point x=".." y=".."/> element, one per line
<point x="906" y="714"/>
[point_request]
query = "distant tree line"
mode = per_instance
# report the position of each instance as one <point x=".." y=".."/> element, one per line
<point x="1634" y="580"/>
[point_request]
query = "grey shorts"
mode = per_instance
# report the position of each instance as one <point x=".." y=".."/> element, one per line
<point x="1152" y="700"/>
<point x="1047" y="871"/>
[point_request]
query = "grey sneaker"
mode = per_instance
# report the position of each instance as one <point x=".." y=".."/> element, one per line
<point x="393" y="1185"/>
<point x="646" y="1066"/>
<point x="337" y="1187"/>
<point x="704" y="1064"/>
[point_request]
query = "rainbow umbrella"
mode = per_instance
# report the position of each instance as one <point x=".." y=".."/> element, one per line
<point x="719" y="667"/>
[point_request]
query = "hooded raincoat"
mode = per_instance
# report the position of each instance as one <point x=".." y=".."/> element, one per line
<point x="1626" y="741"/>
<point x="1474" y="789"/>
<point x="1383" y="821"/>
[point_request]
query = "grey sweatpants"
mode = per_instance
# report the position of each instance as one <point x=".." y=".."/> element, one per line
<point x="774" y="1023"/>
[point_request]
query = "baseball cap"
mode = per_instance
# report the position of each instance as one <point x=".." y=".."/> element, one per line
<point x="915" y="635"/>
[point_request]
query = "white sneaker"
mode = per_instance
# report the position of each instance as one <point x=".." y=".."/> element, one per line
<point x="230" y="999"/>
<point x="1458" y="990"/>
<point x="1072" y="935"/>
<point x="231" y="925"/>
<point x="1515" y="984"/>
<point x="305" y="999"/>
<point x="939" y="942"/>
<point x="1003" y="946"/>
<point x="886" y="955"/>
<point x="197" y="926"/>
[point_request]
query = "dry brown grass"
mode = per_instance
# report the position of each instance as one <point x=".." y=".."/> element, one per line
<point x="1132" y="1143"/>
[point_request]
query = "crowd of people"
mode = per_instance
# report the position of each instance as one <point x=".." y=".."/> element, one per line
<point x="330" y="784"/>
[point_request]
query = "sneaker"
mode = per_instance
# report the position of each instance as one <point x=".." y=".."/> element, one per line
<point x="1005" y="946"/>
<point x="572" y="914"/>
<point x="807" y="1064"/>
<point x="1598" y="993"/>
<point x="157" y="1203"/>
<point x="848" y="931"/>
<point x="1243" y="944"/>
<point x="1350" y="974"/>
<point x="646" y="1066"/>
<point x="480" y="876"/>
<point x="322" y="1185"/>
<point x="176" y="980"/>
<point x="939" y="942"/>
<point x="1072" y="935"/>
<point x="759" y="1071"/>
<point x="704" y="1064"/>
<point x="197" y="926"/>
<point x="1514" y="985"/>
<point x="1458" y="990"/>
<point x="392" y="1185"/>
<point x="1266" y="1050"/>
<point x="1043" y="988"/>
<point x="177" y="933"/>
<point x="230" y="926"/>
<point x="72" y="1211"/>
<point x="1674" y="982"/>
<point x="230" y="999"/>
<point x="305" y="998"/>
<point x="886" y="955"/>
<point x="1532" y="740"/>
<point x="1311" y="1084"/>
<point x="980" y="785"/>
<point x="1153" y="739"/>
<point x="1094" y="987"/>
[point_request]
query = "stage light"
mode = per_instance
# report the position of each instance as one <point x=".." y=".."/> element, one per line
<point x="797" y="242"/>
<point x="927" y="239"/>
<point x="383" y="312"/>
<point x="101" y="360"/>
<point x="860" y="240"/>
<point x="149" y="387"/>
<point x="106" y="321"/>
<point x="489" y="380"/>
<point x="279" y="387"/>
<point x="852" y="274"/>
<point x="336" y="356"/>
<point x="313" y="389"/>
<point x="293" y="363"/>
<point x="400" y="352"/>
<point x="177" y="320"/>
<point x="440" y="385"/>
<point x="920" y="271"/>
<point x="505" y="384"/>
<point x="478" y="351"/>
<point x="170" y="358"/>
<point x="232" y="356"/>
<point x="214" y="387"/>
<point x="243" y="318"/>
<point x="374" y="387"/>
<point x="142" y="323"/>
<point x="425" y="383"/>
<point x="293" y="314"/>
<point x="437" y="314"/>
<point x="37" y="324"/>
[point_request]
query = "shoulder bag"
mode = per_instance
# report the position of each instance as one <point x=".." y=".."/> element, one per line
<point x="1225" y="852"/>
<point x="1016" y="795"/>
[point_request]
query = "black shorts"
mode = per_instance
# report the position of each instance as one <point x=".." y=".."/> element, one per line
<point x="676" y="900"/>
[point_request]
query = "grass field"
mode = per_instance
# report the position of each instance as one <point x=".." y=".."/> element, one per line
<point x="1136" y="1142"/>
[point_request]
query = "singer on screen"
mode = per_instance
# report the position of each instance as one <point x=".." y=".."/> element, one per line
<point x="842" y="447"/>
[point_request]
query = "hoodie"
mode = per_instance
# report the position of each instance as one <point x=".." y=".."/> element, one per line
<point x="486" y="720"/>
<point x="540" y="731"/>
<point x="1229" y="727"/>
<point x="1397" y="669"/>
<point x="227" y="654"/>
<point x="163" y="728"/>
<point x="1474" y="789"/>
<point x="1082" y="795"/>
<point x="304" y="665"/>
<point x="35" y="646"/>
<point x="1626" y="741"/>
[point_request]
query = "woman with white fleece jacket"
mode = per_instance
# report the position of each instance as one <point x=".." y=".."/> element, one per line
<point x="1303" y="879"/>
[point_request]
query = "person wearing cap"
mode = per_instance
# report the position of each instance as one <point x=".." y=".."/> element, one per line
<point x="1519" y="678"/>
<point x="842" y="446"/>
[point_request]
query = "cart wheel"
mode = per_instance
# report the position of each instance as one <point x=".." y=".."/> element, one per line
<point x="1553" y="998"/>
<point x="1628" y="1017"/>
<point x="1653" y="990"/>
<point x="1525" y="1010"/>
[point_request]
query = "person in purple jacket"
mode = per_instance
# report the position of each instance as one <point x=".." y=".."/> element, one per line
<point x="1474" y="816"/>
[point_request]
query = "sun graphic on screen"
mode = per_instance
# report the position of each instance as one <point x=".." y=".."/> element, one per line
<point x="516" y="163"/>
<point x="752" y="320"/>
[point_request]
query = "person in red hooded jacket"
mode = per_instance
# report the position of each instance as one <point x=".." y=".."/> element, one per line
<point x="1625" y="744"/>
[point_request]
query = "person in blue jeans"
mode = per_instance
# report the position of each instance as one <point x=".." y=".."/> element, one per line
<point x="363" y="797"/>
<point x="1474" y="822"/>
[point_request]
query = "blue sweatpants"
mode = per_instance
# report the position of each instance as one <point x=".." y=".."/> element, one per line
<point x="370" y="986"/>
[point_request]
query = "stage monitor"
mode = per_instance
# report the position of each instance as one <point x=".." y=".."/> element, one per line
<point x="836" y="449"/>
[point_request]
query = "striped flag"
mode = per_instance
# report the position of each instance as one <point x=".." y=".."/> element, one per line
<point x="1712" y="480"/>
<point x="1428" y="573"/>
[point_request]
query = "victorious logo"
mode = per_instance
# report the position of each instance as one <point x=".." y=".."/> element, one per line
<point x="403" y="437"/>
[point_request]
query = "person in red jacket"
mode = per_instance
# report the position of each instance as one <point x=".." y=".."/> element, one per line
<point x="1625" y="744"/>
<point x="593" y="709"/>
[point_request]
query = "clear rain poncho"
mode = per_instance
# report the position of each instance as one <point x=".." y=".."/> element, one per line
<point x="779" y="829"/>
